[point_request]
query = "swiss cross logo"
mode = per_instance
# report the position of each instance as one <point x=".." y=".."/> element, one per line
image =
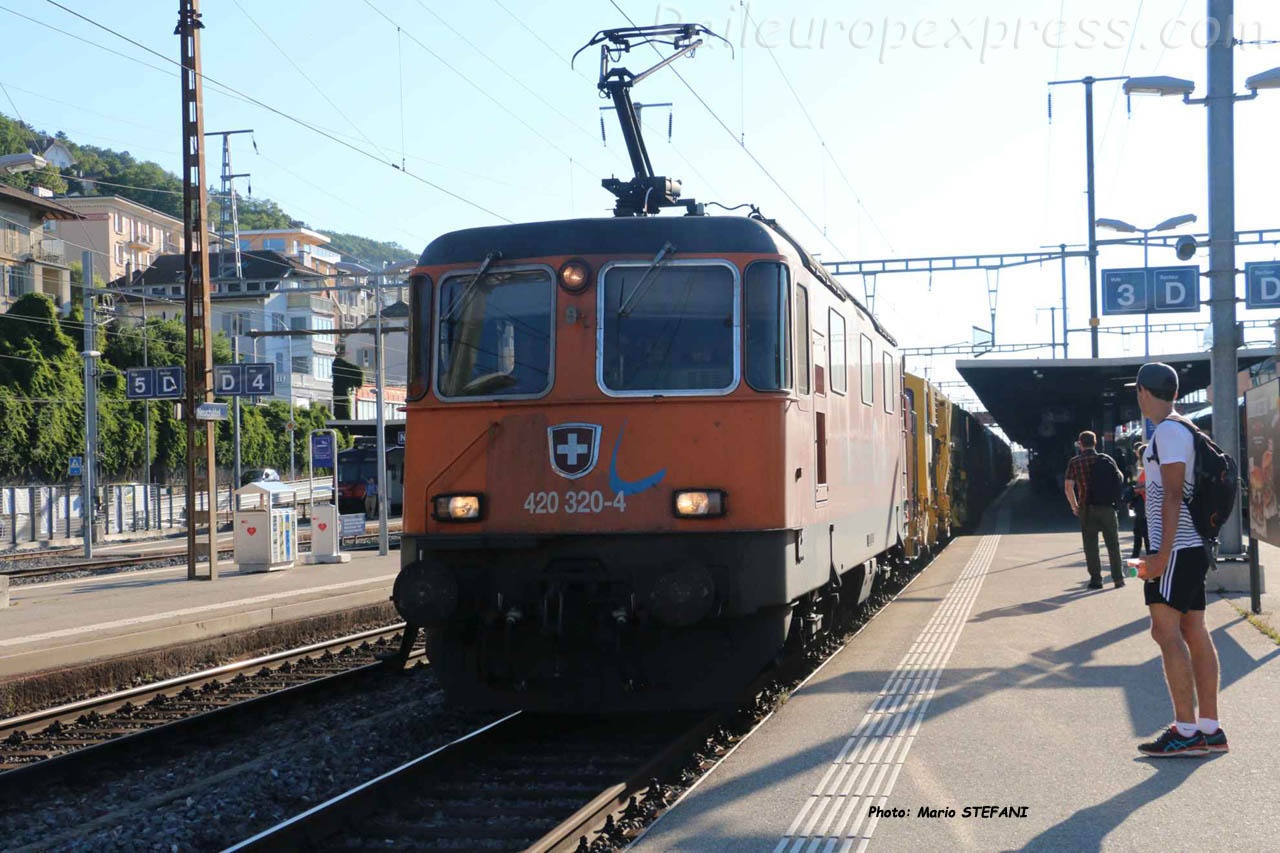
<point x="574" y="449"/>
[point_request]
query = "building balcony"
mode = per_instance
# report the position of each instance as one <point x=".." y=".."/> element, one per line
<point x="49" y="250"/>
<point x="137" y="243"/>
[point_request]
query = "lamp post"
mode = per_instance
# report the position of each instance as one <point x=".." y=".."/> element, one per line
<point x="1221" y="101"/>
<point x="1125" y="228"/>
<point x="1088" y="83"/>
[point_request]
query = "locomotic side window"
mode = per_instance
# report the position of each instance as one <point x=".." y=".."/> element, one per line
<point x="888" y="382"/>
<point x="494" y="335"/>
<point x="767" y="315"/>
<point x="802" y="337"/>
<point x="868" y="372"/>
<point x="671" y="328"/>
<point x="839" y="375"/>
<point x="419" y="336"/>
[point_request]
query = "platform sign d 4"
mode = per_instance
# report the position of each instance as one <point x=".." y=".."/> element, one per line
<point x="1262" y="285"/>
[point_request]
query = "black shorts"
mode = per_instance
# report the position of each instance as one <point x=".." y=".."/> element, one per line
<point x="1182" y="584"/>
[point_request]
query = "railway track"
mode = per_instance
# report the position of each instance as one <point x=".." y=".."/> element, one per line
<point x="552" y="784"/>
<point x="54" y="740"/>
<point x="504" y="786"/>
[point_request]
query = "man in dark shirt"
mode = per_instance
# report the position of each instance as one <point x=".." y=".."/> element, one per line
<point x="1094" y="518"/>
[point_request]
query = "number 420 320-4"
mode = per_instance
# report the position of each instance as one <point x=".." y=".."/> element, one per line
<point x="573" y="503"/>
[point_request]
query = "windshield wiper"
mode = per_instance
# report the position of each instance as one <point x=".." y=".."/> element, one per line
<point x="645" y="280"/>
<point x="471" y="285"/>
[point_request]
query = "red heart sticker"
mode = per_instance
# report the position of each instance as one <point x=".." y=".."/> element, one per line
<point x="252" y="530"/>
<point x="323" y="527"/>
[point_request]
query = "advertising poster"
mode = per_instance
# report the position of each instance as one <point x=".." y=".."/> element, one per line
<point x="1262" y="414"/>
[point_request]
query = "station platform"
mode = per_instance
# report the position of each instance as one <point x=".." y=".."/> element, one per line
<point x="74" y="622"/>
<point x="997" y="679"/>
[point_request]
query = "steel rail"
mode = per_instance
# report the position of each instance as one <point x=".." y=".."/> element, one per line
<point x="95" y="708"/>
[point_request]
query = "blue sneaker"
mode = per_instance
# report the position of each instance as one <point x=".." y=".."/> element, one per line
<point x="1173" y="745"/>
<point x="1217" y="742"/>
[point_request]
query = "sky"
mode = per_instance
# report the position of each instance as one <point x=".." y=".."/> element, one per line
<point x="872" y="129"/>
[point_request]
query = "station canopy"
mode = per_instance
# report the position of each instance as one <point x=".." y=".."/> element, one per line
<point x="1047" y="402"/>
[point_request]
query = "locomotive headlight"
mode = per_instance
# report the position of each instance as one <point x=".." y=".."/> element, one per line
<point x="457" y="507"/>
<point x="699" y="503"/>
<point x="575" y="275"/>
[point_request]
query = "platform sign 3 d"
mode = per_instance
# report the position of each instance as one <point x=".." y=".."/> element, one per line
<point x="1159" y="290"/>
<point x="1175" y="289"/>
<point x="1124" y="291"/>
<point x="1262" y="285"/>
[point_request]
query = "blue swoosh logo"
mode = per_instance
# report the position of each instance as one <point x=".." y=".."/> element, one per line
<point x="629" y="487"/>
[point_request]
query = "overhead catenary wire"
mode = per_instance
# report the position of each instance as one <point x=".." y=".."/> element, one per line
<point x="733" y="136"/>
<point x="826" y="149"/>
<point x="289" y="117"/>
<point x="477" y="87"/>
<point x="307" y="77"/>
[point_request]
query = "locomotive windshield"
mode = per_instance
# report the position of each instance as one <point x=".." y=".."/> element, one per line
<point x="677" y="334"/>
<point x="495" y="334"/>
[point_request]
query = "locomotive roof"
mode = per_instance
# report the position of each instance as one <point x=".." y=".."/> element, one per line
<point x="611" y="235"/>
<point x="643" y="235"/>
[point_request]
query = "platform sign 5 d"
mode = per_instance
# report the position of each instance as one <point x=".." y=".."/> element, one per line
<point x="1158" y="290"/>
<point x="1262" y="285"/>
<point x="322" y="449"/>
<point x="151" y="383"/>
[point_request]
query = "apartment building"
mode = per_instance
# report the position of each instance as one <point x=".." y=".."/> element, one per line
<point x="125" y="234"/>
<point x="265" y="298"/>
<point x="32" y="258"/>
<point x="305" y="246"/>
<point x="395" y="346"/>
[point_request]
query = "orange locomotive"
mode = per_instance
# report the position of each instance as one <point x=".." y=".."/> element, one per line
<point x="640" y="453"/>
<point x="643" y="453"/>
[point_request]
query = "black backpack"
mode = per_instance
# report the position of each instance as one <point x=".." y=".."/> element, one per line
<point x="1105" y="482"/>
<point x="1215" y="483"/>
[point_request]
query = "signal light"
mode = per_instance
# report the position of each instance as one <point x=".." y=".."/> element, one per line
<point x="698" y="503"/>
<point x="457" y="507"/>
<point x="575" y="275"/>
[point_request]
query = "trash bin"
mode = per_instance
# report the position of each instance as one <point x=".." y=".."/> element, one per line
<point x="325" y="530"/>
<point x="266" y="526"/>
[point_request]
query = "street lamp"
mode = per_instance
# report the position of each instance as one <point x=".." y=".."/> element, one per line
<point x="1162" y="86"/>
<point x="1265" y="80"/>
<point x="1220" y="103"/>
<point x="1125" y="228"/>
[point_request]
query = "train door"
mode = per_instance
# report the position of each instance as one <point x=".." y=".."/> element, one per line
<point x="820" y="425"/>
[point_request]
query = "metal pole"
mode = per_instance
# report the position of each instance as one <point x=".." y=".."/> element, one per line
<point x="383" y="546"/>
<point x="1093" y="227"/>
<point x="1222" y="248"/>
<point x="293" y="418"/>
<point x="90" y="409"/>
<point x="235" y="426"/>
<point x="146" y="418"/>
<point x="1063" y="247"/>
<point x="1053" y="328"/>
<point x="202" y="525"/>
<point x="1146" y="315"/>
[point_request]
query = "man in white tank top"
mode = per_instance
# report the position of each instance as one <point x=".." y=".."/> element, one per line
<point x="1175" y="573"/>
